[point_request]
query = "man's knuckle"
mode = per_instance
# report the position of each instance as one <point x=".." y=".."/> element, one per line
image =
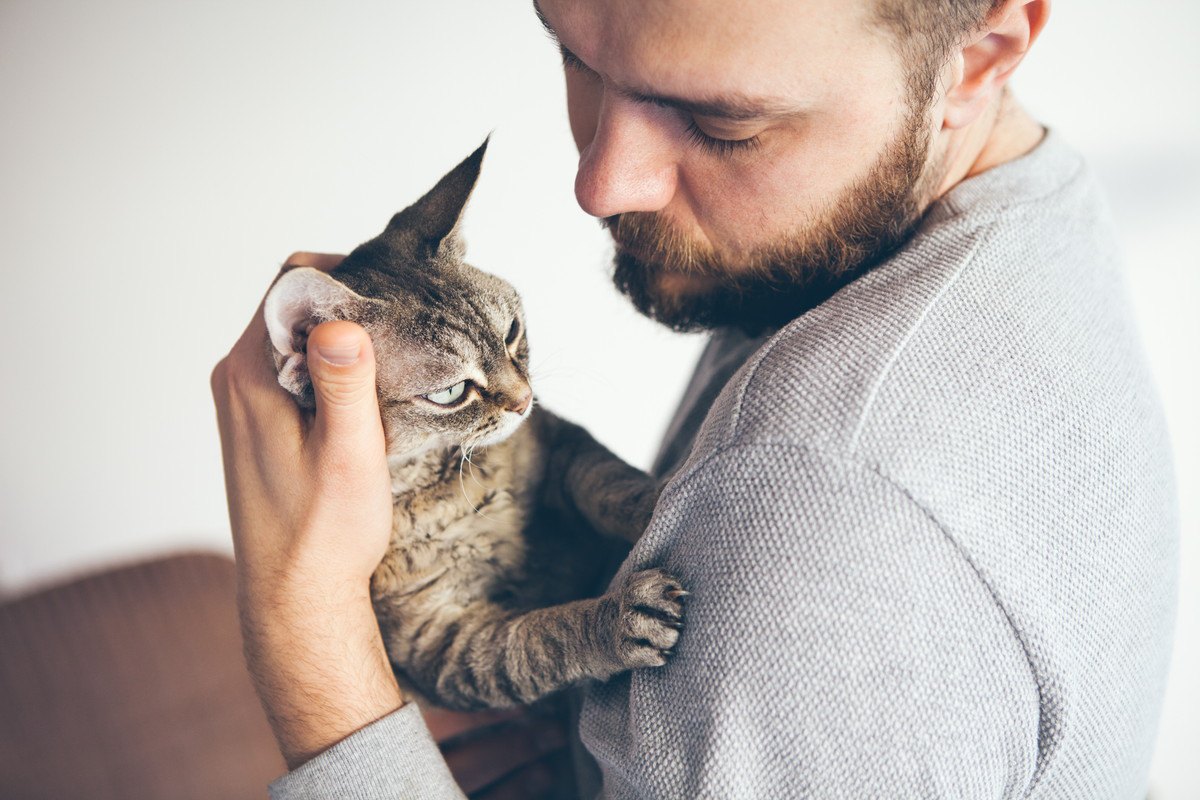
<point x="340" y="391"/>
<point x="228" y="380"/>
<point x="234" y="389"/>
<point x="218" y="379"/>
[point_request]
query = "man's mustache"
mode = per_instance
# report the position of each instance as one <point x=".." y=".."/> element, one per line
<point x="649" y="238"/>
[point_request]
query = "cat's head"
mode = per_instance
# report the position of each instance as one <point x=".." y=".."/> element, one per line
<point x="452" y="361"/>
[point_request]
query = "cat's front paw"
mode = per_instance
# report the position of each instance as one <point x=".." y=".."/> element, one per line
<point x="650" y="618"/>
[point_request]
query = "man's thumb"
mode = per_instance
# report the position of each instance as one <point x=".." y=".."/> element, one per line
<point x="341" y="363"/>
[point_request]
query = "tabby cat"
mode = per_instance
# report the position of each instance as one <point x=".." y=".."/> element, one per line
<point x="506" y="516"/>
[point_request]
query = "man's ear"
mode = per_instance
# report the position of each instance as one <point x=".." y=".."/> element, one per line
<point x="299" y="300"/>
<point x="988" y="58"/>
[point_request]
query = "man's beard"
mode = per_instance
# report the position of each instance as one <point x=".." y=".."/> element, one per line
<point x="686" y="286"/>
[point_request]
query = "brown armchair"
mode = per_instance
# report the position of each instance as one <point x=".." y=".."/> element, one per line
<point x="130" y="684"/>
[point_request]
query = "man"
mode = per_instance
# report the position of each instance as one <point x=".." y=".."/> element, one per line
<point x="919" y="484"/>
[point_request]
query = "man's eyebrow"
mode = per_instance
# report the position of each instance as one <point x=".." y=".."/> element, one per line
<point x="732" y="107"/>
<point x="727" y="106"/>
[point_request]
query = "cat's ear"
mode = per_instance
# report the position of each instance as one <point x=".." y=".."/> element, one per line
<point x="430" y="225"/>
<point x="298" y="301"/>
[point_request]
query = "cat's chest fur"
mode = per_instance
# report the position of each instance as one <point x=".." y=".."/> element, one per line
<point x="458" y="523"/>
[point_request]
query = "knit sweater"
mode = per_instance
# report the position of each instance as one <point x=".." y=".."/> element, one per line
<point x="928" y="528"/>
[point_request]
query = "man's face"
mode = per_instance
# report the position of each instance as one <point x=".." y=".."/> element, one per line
<point x="747" y="157"/>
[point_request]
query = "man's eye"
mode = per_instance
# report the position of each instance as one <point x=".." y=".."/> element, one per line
<point x="571" y="61"/>
<point x="445" y="397"/>
<point x="719" y="147"/>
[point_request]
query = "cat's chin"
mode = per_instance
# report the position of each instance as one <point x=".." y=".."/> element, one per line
<point x="401" y="458"/>
<point x="508" y="426"/>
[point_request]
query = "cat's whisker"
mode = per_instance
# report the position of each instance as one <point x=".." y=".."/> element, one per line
<point x="465" y="451"/>
<point x="549" y="366"/>
<point x="575" y="372"/>
<point x="549" y="357"/>
<point x="461" y="483"/>
<point x="469" y="452"/>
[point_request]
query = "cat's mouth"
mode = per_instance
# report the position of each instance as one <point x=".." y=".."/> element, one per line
<point x="506" y="427"/>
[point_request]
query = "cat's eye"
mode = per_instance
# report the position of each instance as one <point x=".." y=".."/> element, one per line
<point x="445" y="397"/>
<point x="514" y="331"/>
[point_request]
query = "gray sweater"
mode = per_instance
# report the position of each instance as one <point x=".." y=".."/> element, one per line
<point x="929" y="532"/>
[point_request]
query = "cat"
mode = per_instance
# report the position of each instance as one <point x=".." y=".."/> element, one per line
<point x="505" y="515"/>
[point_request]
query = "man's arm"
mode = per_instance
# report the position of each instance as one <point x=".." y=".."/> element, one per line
<point x="838" y="644"/>
<point x="310" y="512"/>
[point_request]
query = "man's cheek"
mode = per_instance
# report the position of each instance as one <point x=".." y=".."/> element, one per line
<point x="741" y="208"/>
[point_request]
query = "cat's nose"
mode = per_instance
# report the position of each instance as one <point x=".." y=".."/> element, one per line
<point x="520" y="403"/>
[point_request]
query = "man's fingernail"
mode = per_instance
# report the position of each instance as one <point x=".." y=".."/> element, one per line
<point x="339" y="355"/>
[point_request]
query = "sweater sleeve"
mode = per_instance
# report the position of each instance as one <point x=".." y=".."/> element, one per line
<point x="393" y="757"/>
<point x="837" y="643"/>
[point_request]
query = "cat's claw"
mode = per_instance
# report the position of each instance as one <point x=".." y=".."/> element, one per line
<point x="651" y="617"/>
<point x="675" y="592"/>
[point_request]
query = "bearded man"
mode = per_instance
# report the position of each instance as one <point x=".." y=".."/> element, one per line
<point x="919" y="485"/>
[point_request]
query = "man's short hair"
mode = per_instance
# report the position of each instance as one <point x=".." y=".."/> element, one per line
<point x="927" y="32"/>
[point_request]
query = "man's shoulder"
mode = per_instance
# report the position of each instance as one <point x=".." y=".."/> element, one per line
<point x="812" y="383"/>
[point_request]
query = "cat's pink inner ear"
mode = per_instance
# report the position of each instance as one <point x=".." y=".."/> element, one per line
<point x="299" y="300"/>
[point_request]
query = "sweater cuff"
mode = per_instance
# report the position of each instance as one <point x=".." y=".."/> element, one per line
<point x="393" y="757"/>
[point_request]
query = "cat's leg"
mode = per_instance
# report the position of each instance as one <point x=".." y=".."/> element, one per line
<point x="491" y="657"/>
<point x="583" y="475"/>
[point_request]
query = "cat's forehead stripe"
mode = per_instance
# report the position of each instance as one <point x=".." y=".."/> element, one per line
<point x="472" y="301"/>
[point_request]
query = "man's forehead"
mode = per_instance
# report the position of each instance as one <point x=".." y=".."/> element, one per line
<point x="780" y="52"/>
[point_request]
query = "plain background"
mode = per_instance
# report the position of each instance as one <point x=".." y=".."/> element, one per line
<point x="158" y="161"/>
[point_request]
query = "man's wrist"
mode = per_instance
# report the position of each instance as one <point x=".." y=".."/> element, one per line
<point x="298" y="589"/>
<point x="317" y="659"/>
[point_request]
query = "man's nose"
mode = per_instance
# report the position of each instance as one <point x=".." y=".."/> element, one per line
<point x="629" y="165"/>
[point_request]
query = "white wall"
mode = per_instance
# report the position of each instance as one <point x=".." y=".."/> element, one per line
<point x="158" y="160"/>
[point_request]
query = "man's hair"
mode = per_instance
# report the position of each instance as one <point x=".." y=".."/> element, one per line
<point x="926" y="32"/>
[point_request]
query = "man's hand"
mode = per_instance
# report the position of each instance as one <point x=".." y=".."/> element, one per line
<point x="311" y="514"/>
